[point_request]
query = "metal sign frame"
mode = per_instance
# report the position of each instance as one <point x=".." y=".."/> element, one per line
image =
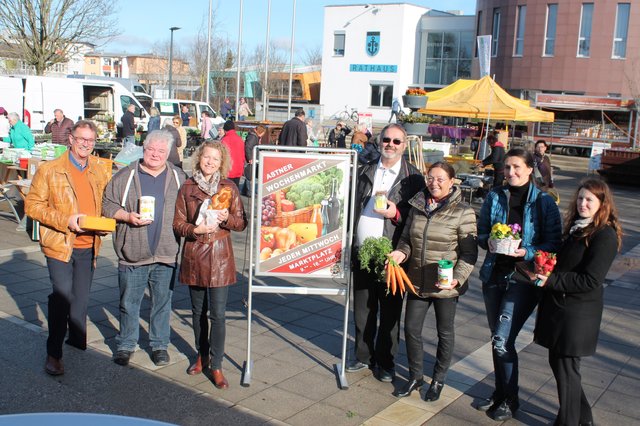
<point x="259" y="153"/>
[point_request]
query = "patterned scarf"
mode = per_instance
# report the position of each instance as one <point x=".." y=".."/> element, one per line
<point x="208" y="187"/>
<point x="579" y="224"/>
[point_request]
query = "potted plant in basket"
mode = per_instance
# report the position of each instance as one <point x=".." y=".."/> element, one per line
<point x="505" y="238"/>
<point x="415" y="98"/>
<point x="416" y="124"/>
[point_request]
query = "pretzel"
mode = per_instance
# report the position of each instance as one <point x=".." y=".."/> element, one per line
<point x="221" y="200"/>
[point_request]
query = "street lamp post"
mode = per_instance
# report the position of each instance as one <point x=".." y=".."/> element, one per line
<point x="172" y="29"/>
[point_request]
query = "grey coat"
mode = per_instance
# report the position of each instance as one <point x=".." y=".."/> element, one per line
<point x="448" y="232"/>
<point x="131" y="242"/>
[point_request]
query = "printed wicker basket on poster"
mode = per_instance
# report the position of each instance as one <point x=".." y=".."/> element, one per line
<point x="284" y="219"/>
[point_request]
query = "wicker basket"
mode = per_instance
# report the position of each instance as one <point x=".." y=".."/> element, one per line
<point x="507" y="245"/>
<point x="284" y="219"/>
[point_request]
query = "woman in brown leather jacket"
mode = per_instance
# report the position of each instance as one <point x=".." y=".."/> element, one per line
<point x="207" y="264"/>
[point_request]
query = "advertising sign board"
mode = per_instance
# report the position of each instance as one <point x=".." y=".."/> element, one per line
<point x="303" y="208"/>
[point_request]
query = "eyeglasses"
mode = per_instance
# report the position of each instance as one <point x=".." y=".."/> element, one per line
<point x="439" y="180"/>
<point x="395" y="141"/>
<point x="84" y="140"/>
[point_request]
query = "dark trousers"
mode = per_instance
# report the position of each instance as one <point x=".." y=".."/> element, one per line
<point x="574" y="407"/>
<point x="445" y="310"/>
<point x="68" y="302"/>
<point x="214" y="301"/>
<point x="375" y="344"/>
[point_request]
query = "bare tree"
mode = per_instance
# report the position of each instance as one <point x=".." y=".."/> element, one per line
<point x="313" y="56"/>
<point x="44" y="31"/>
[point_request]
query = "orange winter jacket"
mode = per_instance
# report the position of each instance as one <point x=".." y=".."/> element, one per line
<point x="52" y="199"/>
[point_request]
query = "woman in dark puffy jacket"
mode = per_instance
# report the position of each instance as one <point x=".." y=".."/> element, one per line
<point x="509" y="303"/>
<point x="440" y="227"/>
<point x="207" y="264"/>
<point x="570" y="312"/>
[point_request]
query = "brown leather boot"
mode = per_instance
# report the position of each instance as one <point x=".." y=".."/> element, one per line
<point x="54" y="366"/>
<point x="198" y="366"/>
<point x="218" y="379"/>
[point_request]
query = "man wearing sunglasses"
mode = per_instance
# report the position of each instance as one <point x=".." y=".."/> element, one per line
<point x="377" y="343"/>
<point x="61" y="192"/>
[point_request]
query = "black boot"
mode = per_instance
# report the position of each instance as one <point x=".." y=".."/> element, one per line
<point x="410" y="387"/>
<point x="433" y="394"/>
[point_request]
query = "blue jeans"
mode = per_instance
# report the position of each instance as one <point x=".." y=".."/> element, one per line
<point x="509" y="304"/>
<point x="213" y="300"/>
<point x="133" y="280"/>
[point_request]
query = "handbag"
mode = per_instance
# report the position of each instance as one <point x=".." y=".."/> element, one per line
<point x="524" y="272"/>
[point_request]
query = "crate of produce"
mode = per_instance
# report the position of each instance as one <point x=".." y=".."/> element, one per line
<point x="286" y="218"/>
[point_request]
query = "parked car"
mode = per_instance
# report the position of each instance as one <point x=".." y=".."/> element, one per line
<point x="170" y="107"/>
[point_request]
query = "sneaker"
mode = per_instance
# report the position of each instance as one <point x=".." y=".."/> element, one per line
<point x="485" y="404"/>
<point x="385" y="375"/>
<point x="355" y="366"/>
<point x="122" y="357"/>
<point x="505" y="410"/>
<point x="160" y="357"/>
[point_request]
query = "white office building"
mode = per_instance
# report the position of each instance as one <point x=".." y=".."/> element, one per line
<point x="373" y="52"/>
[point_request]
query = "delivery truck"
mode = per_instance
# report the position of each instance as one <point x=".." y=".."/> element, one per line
<point x="35" y="98"/>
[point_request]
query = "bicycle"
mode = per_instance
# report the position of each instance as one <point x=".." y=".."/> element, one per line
<point x="348" y="114"/>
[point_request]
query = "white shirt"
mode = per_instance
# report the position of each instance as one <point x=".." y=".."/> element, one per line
<point x="371" y="224"/>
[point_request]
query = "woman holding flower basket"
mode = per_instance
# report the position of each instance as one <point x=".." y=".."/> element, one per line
<point x="440" y="228"/>
<point x="570" y="311"/>
<point x="535" y="222"/>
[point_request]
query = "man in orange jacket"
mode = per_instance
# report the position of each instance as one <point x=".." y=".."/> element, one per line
<point x="61" y="192"/>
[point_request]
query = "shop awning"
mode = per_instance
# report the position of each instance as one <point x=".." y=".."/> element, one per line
<point x="483" y="98"/>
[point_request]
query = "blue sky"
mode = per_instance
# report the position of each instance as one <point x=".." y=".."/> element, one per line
<point x="141" y="26"/>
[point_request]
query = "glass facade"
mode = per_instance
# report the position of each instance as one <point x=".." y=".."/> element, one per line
<point x="448" y="57"/>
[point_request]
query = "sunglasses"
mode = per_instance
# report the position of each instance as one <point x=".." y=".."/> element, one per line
<point x="395" y="141"/>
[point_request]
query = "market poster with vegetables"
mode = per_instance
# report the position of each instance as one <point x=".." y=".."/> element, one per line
<point x="302" y="214"/>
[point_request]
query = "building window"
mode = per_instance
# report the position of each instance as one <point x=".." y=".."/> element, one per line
<point x="106" y="61"/>
<point x="620" y="34"/>
<point x="381" y="94"/>
<point x="448" y="57"/>
<point x="520" y="20"/>
<point x="338" y="43"/>
<point x="495" y="32"/>
<point x="478" y="32"/>
<point x="92" y="61"/>
<point x="550" y="32"/>
<point x="584" y="40"/>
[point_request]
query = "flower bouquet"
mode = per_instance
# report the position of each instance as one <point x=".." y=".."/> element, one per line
<point x="506" y="238"/>
<point x="544" y="262"/>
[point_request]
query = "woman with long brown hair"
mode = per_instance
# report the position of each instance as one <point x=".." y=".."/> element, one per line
<point x="570" y="312"/>
<point x="207" y="264"/>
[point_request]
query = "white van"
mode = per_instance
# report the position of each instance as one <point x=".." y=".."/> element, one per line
<point x="170" y="107"/>
<point x="35" y="98"/>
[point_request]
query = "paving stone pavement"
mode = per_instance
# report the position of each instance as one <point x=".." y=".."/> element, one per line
<point x="296" y="343"/>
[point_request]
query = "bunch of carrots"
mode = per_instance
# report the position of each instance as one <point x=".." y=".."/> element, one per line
<point x="397" y="279"/>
